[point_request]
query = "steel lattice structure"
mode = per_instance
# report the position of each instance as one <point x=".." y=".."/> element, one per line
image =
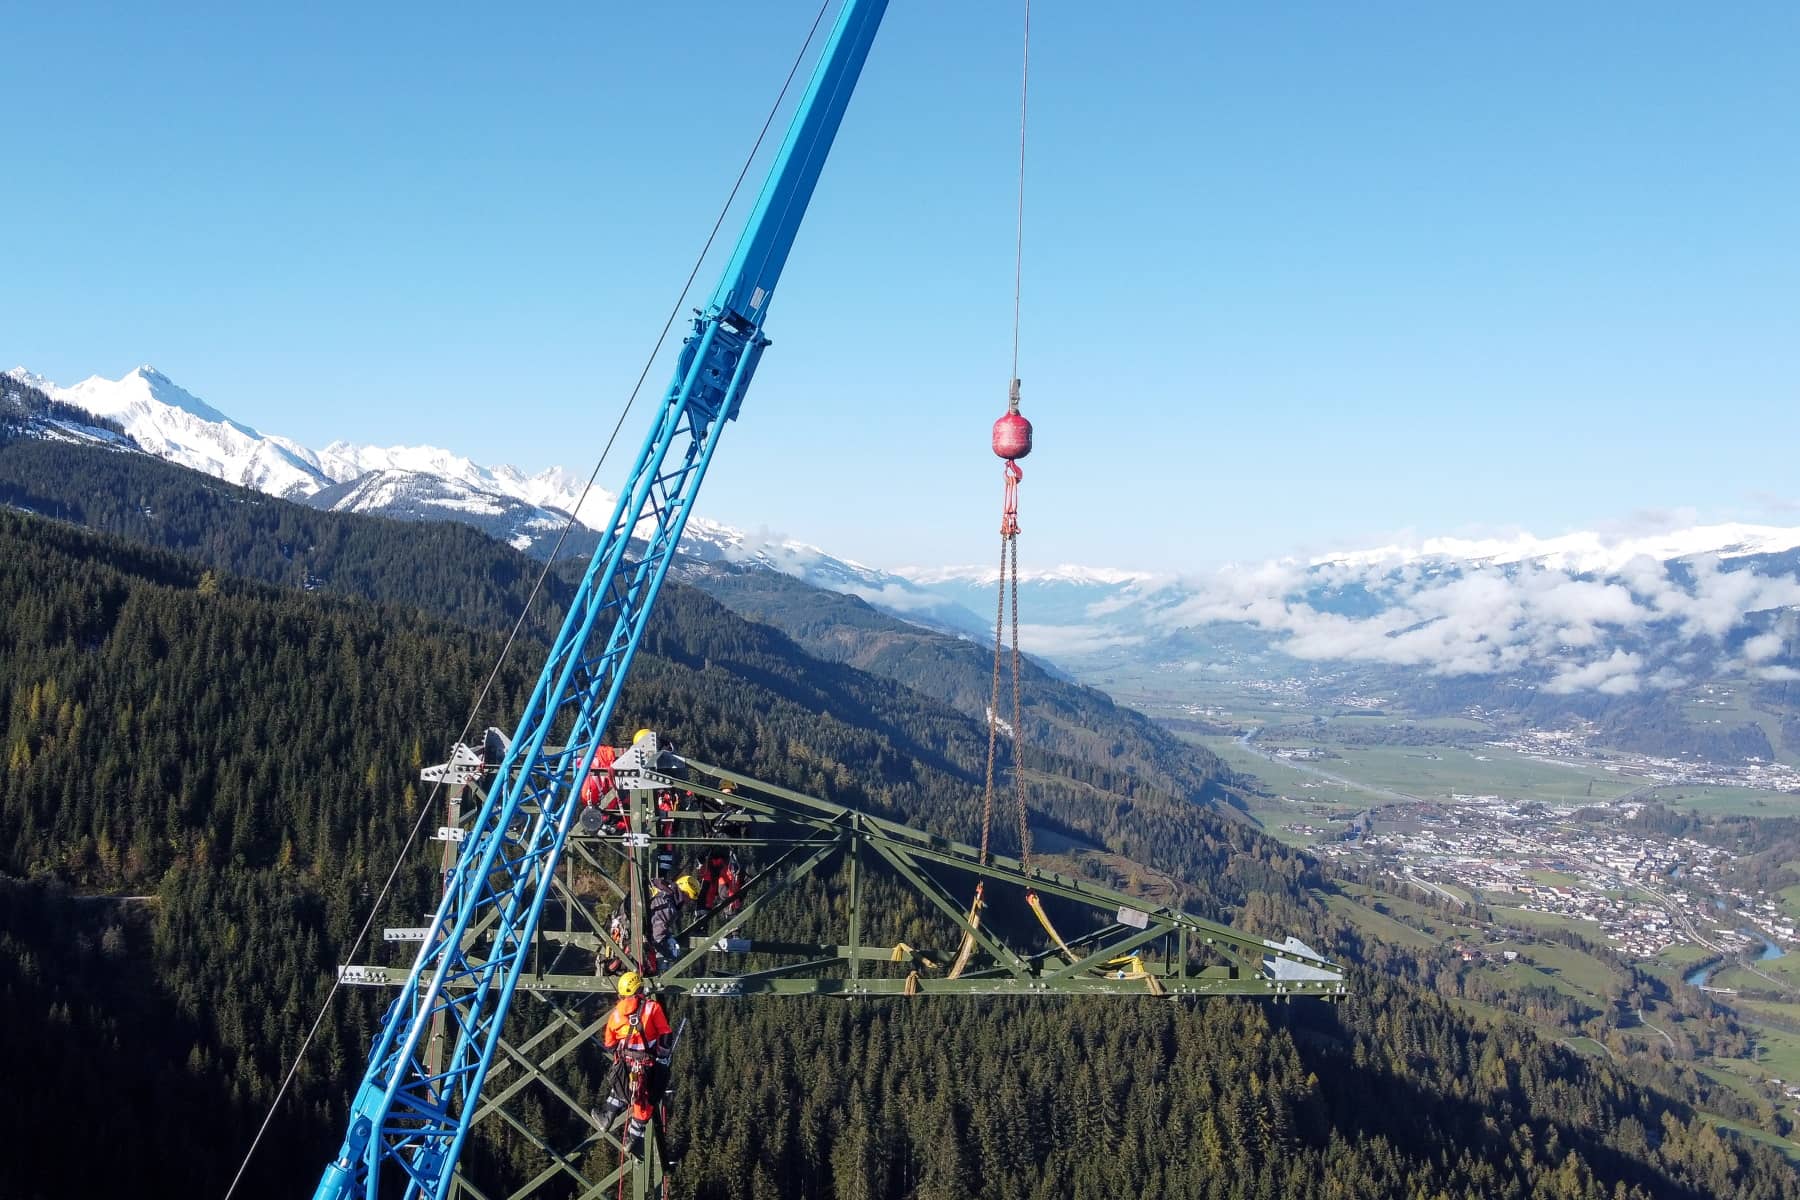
<point x="1123" y="947"/>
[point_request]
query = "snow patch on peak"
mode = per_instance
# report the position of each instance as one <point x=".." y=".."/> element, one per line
<point x="30" y="380"/>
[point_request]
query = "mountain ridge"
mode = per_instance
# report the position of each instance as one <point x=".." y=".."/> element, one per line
<point x="424" y="483"/>
<point x="1584" y="611"/>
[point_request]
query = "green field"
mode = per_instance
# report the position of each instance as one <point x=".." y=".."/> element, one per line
<point x="1279" y="777"/>
<point x="1682" y="955"/>
<point x="1381" y="774"/>
<point x="1723" y="801"/>
<point x="1379" y="925"/>
<point x="1777" y="1052"/>
<point x="1787" y="1012"/>
<point x="1784" y="970"/>
<point x="1587" y="1047"/>
<point x="1433" y="773"/>
<point x="1587" y="976"/>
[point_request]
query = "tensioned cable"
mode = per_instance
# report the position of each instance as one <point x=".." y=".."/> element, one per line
<point x="1019" y="228"/>
<point x="561" y="538"/>
<point x="987" y="795"/>
<point x="1025" y="92"/>
<point x="1009" y="538"/>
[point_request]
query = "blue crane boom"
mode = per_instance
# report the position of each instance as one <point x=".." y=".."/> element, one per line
<point x="409" y="1118"/>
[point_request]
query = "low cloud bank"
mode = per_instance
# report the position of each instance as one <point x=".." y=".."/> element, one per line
<point x="1588" y="633"/>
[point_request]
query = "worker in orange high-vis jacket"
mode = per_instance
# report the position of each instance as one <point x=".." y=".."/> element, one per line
<point x="638" y="1035"/>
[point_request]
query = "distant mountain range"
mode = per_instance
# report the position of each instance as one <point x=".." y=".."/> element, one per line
<point x="1579" y="613"/>
<point x="426" y="483"/>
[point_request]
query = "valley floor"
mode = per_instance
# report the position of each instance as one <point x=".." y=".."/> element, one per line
<point x="1513" y="855"/>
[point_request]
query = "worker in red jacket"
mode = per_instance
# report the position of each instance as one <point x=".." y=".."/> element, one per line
<point x="719" y="878"/>
<point x="601" y="802"/>
<point x="638" y="1035"/>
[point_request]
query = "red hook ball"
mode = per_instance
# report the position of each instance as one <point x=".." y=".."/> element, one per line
<point x="1012" y="436"/>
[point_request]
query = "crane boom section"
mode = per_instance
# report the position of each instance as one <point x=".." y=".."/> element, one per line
<point x="411" y="1115"/>
<point x="762" y="251"/>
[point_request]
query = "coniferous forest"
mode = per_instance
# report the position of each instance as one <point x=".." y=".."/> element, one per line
<point x="210" y="768"/>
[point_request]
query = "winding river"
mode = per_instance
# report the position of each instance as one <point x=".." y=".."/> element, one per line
<point x="1699" y="975"/>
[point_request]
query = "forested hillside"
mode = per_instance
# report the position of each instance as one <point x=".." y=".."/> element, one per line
<point x="455" y="571"/>
<point x="245" y="754"/>
<point x="438" y="566"/>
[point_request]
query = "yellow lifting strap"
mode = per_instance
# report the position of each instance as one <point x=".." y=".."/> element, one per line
<point x="1037" y="906"/>
<point x="968" y="941"/>
<point x="1131" y="966"/>
<point x="902" y="951"/>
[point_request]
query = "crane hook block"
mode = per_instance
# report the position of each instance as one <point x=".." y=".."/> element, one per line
<point x="1012" y="432"/>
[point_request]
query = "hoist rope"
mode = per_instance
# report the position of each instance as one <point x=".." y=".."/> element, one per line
<point x="1019" y="228"/>
<point x="430" y="804"/>
<point x="987" y="797"/>
<point x="1009" y="527"/>
<point x="1018" y="733"/>
<point x="1009" y="570"/>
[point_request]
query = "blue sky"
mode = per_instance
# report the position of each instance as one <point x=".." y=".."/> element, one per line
<point x="1296" y="276"/>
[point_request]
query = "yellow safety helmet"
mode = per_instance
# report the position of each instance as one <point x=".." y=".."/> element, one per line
<point x="630" y="983"/>
<point x="690" y="887"/>
<point x="639" y="736"/>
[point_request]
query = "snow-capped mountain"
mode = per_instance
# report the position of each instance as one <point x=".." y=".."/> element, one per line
<point x="424" y="483"/>
<point x="1580" y="614"/>
<point x="407" y="482"/>
<point x="554" y="491"/>
<point x="1559" y="605"/>
<point x="417" y="496"/>
<point x="172" y="423"/>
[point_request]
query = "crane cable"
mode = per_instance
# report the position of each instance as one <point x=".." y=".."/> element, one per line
<point x="1009" y="521"/>
<point x="1009" y="564"/>
<point x="505" y="650"/>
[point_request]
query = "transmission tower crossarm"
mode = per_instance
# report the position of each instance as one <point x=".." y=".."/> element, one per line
<point x="411" y="1115"/>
